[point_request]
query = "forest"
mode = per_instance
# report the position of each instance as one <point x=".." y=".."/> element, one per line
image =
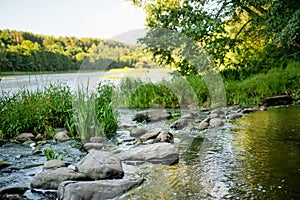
<point x="25" y="51"/>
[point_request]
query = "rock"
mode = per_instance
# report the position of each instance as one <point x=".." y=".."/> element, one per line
<point x="277" y="100"/>
<point x="234" y="116"/>
<point x="50" y="179"/>
<point x="189" y="116"/>
<point x="61" y="136"/>
<point x="165" y="137"/>
<point x="180" y="123"/>
<point x="89" y="146"/>
<point x="100" y="165"/>
<point x="14" y="193"/>
<point x="203" y="125"/>
<point x="249" y="110"/>
<point x="216" y="122"/>
<point x="262" y="108"/>
<point x="2" y="142"/>
<point x="95" y="190"/>
<point x="150" y="135"/>
<point x="54" y="164"/>
<point x="158" y="153"/>
<point x="3" y="164"/>
<point x="25" y="137"/>
<point x="97" y="139"/>
<point x="218" y="111"/>
<point x="38" y="137"/>
<point x="152" y="115"/>
<point x="138" y="131"/>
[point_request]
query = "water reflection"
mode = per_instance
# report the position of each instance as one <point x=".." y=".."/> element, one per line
<point x="256" y="158"/>
<point x="269" y="153"/>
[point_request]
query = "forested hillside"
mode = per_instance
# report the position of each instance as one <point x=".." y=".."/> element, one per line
<point x="25" y="51"/>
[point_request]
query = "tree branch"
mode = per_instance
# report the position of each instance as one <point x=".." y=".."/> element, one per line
<point x="236" y="36"/>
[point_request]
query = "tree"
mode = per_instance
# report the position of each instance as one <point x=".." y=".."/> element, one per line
<point x="273" y="24"/>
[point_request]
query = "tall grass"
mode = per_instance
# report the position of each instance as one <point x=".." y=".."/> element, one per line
<point x="275" y="82"/>
<point x="37" y="111"/>
<point x="88" y="114"/>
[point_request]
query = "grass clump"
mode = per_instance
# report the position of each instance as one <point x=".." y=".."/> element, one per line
<point x="37" y="111"/>
<point x="275" y="82"/>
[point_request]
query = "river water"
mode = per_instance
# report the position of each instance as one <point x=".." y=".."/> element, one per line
<point x="14" y="83"/>
<point x="257" y="157"/>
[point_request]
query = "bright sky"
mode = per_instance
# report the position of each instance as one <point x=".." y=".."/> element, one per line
<point x="81" y="18"/>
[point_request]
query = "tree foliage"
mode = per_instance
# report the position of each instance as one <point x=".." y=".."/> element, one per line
<point x="245" y="35"/>
<point x="24" y="51"/>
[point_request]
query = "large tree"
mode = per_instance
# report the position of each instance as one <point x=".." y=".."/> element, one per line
<point x="233" y="32"/>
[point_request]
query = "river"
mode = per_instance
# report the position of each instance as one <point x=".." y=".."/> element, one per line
<point x="254" y="157"/>
<point x="13" y="83"/>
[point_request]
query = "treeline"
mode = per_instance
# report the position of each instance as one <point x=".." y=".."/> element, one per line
<point x="25" y="51"/>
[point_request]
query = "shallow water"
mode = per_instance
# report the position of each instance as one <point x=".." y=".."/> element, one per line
<point x="258" y="157"/>
<point x="255" y="157"/>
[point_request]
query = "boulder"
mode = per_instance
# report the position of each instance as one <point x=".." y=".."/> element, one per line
<point x="100" y="165"/>
<point x="152" y="115"/>
<point x="25" y="137"/>
<point x="249" y="110"/>
<point x="150" y="135"/>
<point x="54" y="164"/>
<point x="277" y="100"/>
<point x="61" y="136"/>
<point x="180" y="123"/>
<point x="95" y="190"/>
<point x="97" y="139"/>
<point x="50" y="179"/>
<point x="89" y="146"/>
<point x="16" y="193"/>
<point x="216" y="122"/>
<point x="38" y="137"/>
<point x="234" y="116"/>
<point x="158" y="153"/>
<point x="203" y="125"/>
<point x="3" y="164"/>
<point x="191" y="115"/>
<point x="138" y="131"/>
<point x="165" y="137"/>
<point x="217" y="111"/>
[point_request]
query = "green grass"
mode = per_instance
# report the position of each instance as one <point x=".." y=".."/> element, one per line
<point x="55" y="106"/>
<point x="88" y="114"/>
<point x="36" y="111"/>
<point x="275" y="82"/>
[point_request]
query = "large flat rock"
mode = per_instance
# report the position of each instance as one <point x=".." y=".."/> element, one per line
<point x="158" y="153"/>
<point x="95" y="190"/>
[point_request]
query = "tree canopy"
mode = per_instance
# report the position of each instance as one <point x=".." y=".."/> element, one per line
<point x="25" y="51"/>
<point x="247" y="35"/>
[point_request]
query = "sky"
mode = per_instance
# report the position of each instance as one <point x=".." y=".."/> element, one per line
<point x="104" y="19"/>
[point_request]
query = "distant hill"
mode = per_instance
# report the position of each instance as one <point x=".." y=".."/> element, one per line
<point x="25" y="51"/>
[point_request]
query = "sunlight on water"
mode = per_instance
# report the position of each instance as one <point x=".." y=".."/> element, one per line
<point x="256" y="158"/>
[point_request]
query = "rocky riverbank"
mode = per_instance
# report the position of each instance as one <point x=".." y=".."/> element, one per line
<point x="106" y="169"/>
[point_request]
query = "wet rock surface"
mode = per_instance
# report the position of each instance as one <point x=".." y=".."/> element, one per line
<point x="101" y="189"/>
<point x="277" y="100"/>
<point x="101" y="165"/>
<point x="152" y="115"/>
<point x="158" y="153"/>
<point x="50" y="179"/>
<point x="152" y="143"/>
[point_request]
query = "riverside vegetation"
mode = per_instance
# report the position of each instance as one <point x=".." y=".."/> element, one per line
<point x="55" y="106"/>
